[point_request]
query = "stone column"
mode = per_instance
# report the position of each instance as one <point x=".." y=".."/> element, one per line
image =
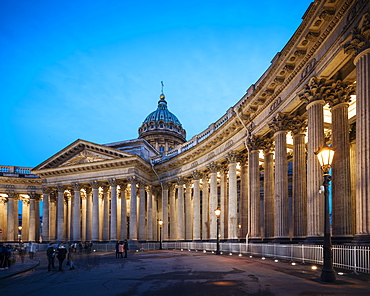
<point x="244" y="196"/>
<point x="224" y="201"/>
<point x="180" y="210"/>
<point x="342" y="229"/>
<point x="173" y="223"/>
<point x="3" y="218"/>
<point x="106" y="233"/>
<point x="123" y="192"/>
<point x="205" y="207"/>
<point x="33" y="221"/>
<point x="10" y="223"/>
<point x="25" y="219"/>
<point x="254" y="144"/>
<point x="352" y="162"/>
<point x="37" y="215"/>
<point x="188" y="211"/>
<point x="280" y="125"/>
<point x="69" y="215"/>
<point x="76" y="212"/>
<point x="60" y="213"/>
<point x="298" y="127"/>
<point x="213" y="200"/>
<point x="313" y="95"/>
<point x="83" y="215"/>
<point x="165" y="210"/>
<point x="113" y="213"/>
<point x="45" y="214"/>
<point x="142" y="212"/>
<point x="89" y="211"/>
<point x="149" y="203"/>
<point x="95" y="210"/>
<point x="269" y="188"/>
<point x="133" y="207"/>
<point x="359" y="46"/>
<point x="196" y="205"/>
<point x="53" y="215"/>
<point x="232" y="158"/>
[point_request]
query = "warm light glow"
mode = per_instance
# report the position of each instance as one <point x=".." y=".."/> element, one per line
<point x="263" y="258"/>
<point x="19" y="227"/>
<point x="340" y="273"/>
<point x="314" y="267"/>
<point x="218" y="212"/>
<point x="240" y="255"/>
<point x="276" y="260"/>
<point x="293" y="263"/>
<point x="160" y="222"/>
<point x="325" y="156"/>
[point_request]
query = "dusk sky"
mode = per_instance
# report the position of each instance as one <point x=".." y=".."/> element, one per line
<point x="92" y="70"/>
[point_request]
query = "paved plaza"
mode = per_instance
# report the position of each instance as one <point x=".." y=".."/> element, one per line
<point x="175" y="273"/>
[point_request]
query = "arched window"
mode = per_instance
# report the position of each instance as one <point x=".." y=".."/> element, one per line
<point x="161" y="149"/>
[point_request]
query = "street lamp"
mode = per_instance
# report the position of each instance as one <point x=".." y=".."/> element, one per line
<point x="218" y="213"/>
<point x="160" y="223"/>
<point x="20" y="233"/>
<point x="325" y="156"/>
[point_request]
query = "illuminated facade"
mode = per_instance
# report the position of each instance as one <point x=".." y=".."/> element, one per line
<point x="256" y="163"/>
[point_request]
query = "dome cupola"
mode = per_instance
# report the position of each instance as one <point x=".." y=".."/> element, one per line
<point x="161" y="128"/>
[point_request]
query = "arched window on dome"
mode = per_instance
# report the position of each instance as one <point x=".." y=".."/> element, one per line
<point x="161" y="149"/>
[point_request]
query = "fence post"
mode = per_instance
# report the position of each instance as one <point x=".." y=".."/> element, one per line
<point x="355" y="259"/>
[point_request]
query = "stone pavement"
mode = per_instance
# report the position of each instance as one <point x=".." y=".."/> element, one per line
<point x="169" y="272"/>
<point x="19" y="267"/>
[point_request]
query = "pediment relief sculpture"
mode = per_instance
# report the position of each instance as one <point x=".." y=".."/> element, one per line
<point x="85" y="157"/>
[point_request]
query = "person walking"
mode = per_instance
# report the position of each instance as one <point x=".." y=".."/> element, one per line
<point x="125" y="246"/>
<point x="117" y="249"/>
<point x="50" y="252"/>
<point x="120" y="249"/>
<point x="2" y="256"/>
<point x="70" y="257"/>
<point x="61" y="255"/>
<point x="32" y="250"/>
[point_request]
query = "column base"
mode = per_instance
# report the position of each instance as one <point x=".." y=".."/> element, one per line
<point x="361" y="239"/>
<point x="282" y="240"/>
<point x="314" y="240"/>
<point x="232" y="240"/>
<point x="341" y="239"/>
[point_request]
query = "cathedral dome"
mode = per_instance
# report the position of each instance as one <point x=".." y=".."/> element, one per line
<point x="162" y="129"/>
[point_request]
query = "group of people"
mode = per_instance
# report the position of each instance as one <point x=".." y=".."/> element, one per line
<point x="5" y="254"/>
<point x="120" y="248"/>
<point x="61" y="252"/>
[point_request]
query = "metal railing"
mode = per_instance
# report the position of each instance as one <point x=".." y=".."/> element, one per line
<point x="354" y="258"/>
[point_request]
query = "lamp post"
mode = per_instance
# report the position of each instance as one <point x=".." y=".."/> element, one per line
<point x="218" y="213"/>
<point x="325" y="156"/>
<point x="160" y="223"/>
<point x="20" y="233"/>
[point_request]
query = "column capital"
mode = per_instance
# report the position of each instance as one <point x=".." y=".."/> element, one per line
<point x="46" y="190"/>
<point x="340" y="92"/>
<point x="88" y="190"/>
<point x="213" y="167"/>
<point x="142" y="185"/>
<point x="298" y="125"/>
<point x="32" y="195"/>
<point x="315" y="90"/>
<point x="112" y="182"/>
<point x="3" y="200"/>
<point x="94" y="184"/>
<point x="232" y="157"/>
<point x="196" y="175"/>
<point x="254" y="142"/>
<point x="280" y="122"/>
<point x="133" y="180"/>
<point x="267" y="145"/>
<point x="164" y="185"/>
<point x="123" y="185"/>
<point x="60" y="188"/>
<point x="180" y="181"/>
<point x="360" y="37"/>
<point x="188" y="183"/>
<point x="76" y="186"/>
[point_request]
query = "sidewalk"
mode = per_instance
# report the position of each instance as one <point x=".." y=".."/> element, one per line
<point x="19" y="267"/>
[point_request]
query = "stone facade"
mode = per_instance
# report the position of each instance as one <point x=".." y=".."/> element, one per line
<point x="256" y="163"/>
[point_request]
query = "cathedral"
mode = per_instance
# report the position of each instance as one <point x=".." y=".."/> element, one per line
<point x="256" y="164"/>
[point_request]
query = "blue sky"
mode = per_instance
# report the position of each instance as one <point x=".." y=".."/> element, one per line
<point x="92" y="69"/>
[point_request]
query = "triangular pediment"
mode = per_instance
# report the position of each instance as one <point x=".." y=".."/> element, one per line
<point x="82" y="152"/>
<point x="85" y="156"/>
